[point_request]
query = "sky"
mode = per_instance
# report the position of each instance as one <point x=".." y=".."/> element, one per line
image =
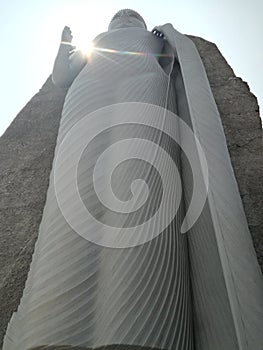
<point x="30" y="34"/>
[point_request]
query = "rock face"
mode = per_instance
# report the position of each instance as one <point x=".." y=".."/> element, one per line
<point x="26" y="155"/>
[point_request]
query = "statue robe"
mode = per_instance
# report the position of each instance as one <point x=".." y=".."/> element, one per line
<point x="82" y="294"/>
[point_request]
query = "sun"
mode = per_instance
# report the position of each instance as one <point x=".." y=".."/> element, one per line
<point x="86" y="48"/>
<point x="83" y="21"/>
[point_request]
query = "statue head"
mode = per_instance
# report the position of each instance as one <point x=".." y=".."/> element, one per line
<point x="127" y="18"/>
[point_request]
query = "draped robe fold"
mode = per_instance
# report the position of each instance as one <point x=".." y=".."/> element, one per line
<point x="82" y="294"/>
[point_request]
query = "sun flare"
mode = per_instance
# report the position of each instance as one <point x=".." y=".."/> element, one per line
<point x="86" y="48"/>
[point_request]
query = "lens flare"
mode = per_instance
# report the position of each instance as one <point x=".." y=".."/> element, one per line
<point x="136" y="53"/>
<point x="87" y="49"/>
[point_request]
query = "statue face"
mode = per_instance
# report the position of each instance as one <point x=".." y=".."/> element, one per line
<point x="125" y="19"/>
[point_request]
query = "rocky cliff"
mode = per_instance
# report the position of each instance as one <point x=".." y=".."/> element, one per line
<point x="26" y="154"/>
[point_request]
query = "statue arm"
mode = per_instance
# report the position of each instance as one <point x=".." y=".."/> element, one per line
<point x="168" y="31"/>
<point x="68" y="62"/>
<point x="67" y="65"/>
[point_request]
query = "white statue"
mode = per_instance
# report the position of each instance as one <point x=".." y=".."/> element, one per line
<point x="82" y="294"/>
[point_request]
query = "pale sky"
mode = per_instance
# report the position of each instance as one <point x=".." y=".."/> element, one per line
<point x="30" y="35"/>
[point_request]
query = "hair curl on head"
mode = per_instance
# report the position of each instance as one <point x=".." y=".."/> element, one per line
<point x="128" y="12"/>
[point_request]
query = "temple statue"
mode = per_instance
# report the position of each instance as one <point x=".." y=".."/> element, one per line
<point x="143" y="241"/>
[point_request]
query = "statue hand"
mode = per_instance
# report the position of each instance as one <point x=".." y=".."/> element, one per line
<point x="157" y="32"/>
<point x="163" y="31"/>
<point x="66" y="35"/>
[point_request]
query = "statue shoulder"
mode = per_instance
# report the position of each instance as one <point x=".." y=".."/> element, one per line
<point x="77" y="59"/>
<point x="99" y="37"/>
